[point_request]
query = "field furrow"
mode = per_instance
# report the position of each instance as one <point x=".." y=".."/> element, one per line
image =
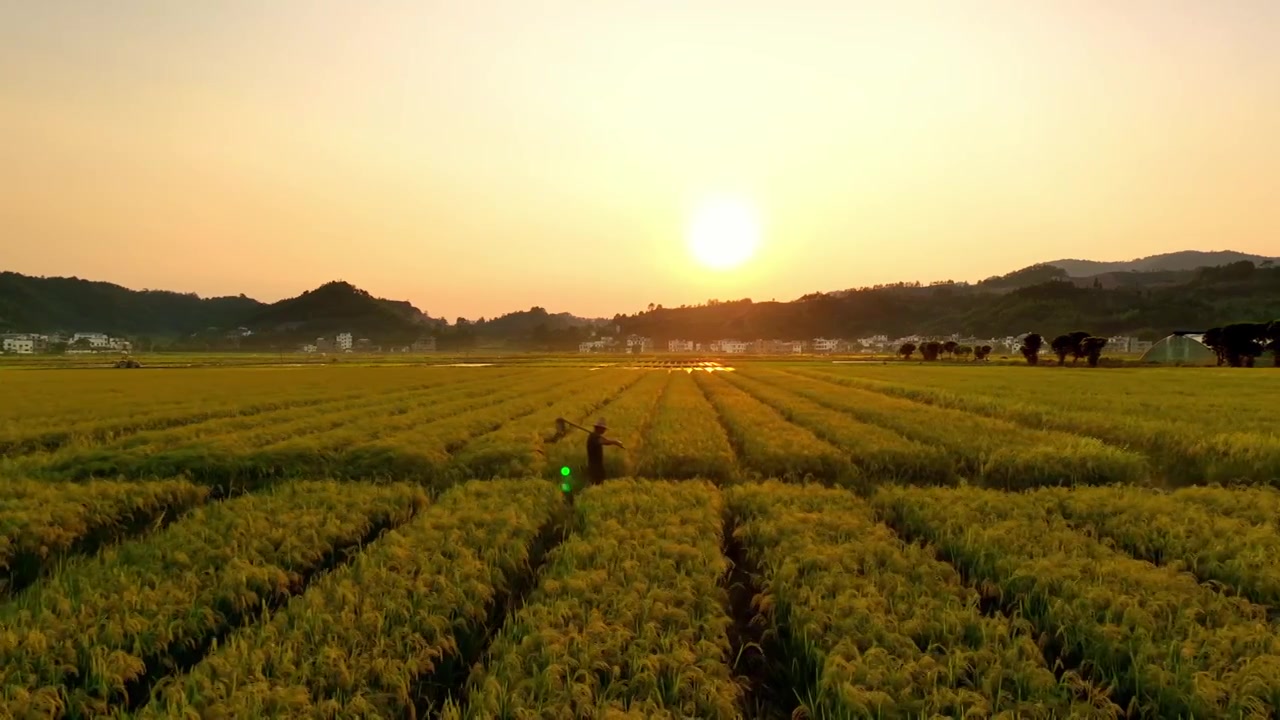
<point x="42" y="522"/>
<point x="685" y="438"/>
<point x="1166" y="645"/>
<point x="628" y="614"/>
<point x="993" y="452"/>
<point x="92" y="639"/>
<point x="879" y="454"/>
<point x="394" y="632"/>
<point x="875" y="627"/>
<point x="767" y="445"/>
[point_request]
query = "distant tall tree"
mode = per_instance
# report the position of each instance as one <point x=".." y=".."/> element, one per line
<point x="950" y="347"/>
<point x="1092" y="348"/>
<point x="1070" y="344"/>
<point x="930" y="350"/>
<point x="1077" y="345"/>
<point x="964" y="351"/>
<point x="1062" y="347"/>
<point x="1030" y="348"/>
<point x="907" y="350"/>
<point x="1243" y="343"/>
<point x="981" y="353"/>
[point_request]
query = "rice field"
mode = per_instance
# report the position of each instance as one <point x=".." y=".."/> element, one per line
<point x="777" y="540"/>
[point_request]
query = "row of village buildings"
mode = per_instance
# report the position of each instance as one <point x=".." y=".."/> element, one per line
<point x="875" y="344"/>
<point x="83" y="342"/>
<point x="346" y="342"/>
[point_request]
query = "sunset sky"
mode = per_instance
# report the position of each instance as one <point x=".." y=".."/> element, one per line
<point x="483" y="157"/>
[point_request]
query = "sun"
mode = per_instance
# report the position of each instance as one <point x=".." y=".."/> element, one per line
<point x="724" y="233"/>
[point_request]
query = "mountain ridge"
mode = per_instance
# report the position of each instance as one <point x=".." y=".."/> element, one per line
<point x="1182" y="260"/>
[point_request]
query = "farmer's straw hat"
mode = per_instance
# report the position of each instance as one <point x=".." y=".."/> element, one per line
<point x="600" y="423"/>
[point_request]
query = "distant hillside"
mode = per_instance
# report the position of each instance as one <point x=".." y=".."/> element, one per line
<point x="337" y="307"/>
<point x="1044" y="298"/>
<point x="535" y="319"/>
<point x="74" y="305"/>
<point x="1185" y="260"/>
<point x="1211" y="296"/>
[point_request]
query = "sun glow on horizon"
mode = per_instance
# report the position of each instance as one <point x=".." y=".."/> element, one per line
<point x="724" y="233"/>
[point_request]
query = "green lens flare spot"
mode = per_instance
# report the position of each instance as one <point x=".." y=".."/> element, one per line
<point x="565" y="471"/>
<point x="565" y="487"/>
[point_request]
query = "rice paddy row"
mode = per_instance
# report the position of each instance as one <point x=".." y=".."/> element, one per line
<point x="499" y="599"/>
<point x="836" y="424"/>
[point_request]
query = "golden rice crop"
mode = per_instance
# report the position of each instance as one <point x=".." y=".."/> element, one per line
<point x="879" y="454"/>
<point x="1157" y="527"/>
<point x="882" y="627"/>
<point x="989" y="451"/>
<point x="375" y="444"/>
<point x="1190" y="443"/>
<point x="1259" y="505"/>
<point x="363" y="640"/>
<point x="768" y="445"/>
<point x="628" y="613"/>
<point x="41" y="520"/>
<point x="685" y="438"/>
<point x="76" y="642"/>
<point x="64" y="408"/>
<point x="1214" y="400"/>
<point x="1169" y="646"/>
<point x="210" y="448"/>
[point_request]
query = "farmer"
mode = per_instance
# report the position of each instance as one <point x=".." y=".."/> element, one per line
<point x="595" y="452"/>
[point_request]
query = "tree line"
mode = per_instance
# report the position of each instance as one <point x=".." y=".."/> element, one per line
<point x="1241" y="344"/>
<point x="1076" y="345"/>
<point x="932" y="350"/>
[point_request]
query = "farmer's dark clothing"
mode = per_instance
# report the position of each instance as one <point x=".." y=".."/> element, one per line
<point x="595" y="457"/>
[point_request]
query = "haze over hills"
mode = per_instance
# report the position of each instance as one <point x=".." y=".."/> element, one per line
<point x="1046" y="297"/>
<point x="1175" y="261"/>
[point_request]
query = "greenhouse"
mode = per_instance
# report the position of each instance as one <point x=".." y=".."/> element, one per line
<point x="1181" y="349"/>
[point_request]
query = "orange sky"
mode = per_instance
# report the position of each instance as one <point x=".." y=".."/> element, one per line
<point x="481" y="157"/>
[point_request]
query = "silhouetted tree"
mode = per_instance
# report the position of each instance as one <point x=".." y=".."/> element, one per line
<point x="1243" y="342"/>
<point x="964" y="351"/>
<point x="1030" y="348"/>
<point x="930" y="350"/>
<point x="1092" y="348"/>
<point x="907" y="350"/>
<point x="1273" y="341"/>
<point x="981" y="353"/>
<point x="1077" y="344"/>
<point x="950" y="347"/>
<point x="1070" y="344"/>
<point x="1062" y="347"/>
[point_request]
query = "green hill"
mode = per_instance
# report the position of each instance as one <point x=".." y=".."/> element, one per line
<point x="73" y="305"/>
<point x="338" y="307"/>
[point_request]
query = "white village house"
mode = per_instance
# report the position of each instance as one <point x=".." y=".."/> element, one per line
<point x="19" y="346"/>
